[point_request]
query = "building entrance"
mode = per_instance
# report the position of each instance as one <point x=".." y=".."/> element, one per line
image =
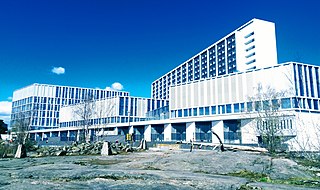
<point x="232" y="131"/>
<point x="178" y="132"/>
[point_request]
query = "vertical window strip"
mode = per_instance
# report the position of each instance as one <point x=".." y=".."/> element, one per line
<point x="311" y="81"/>
<point x="295" y="79"/>
<point x="306" y="80"/>
<point x="301" y="88"/>
<point x="317" y="81"/>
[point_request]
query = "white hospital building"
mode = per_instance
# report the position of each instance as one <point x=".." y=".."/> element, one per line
<point x="215" y="89"/>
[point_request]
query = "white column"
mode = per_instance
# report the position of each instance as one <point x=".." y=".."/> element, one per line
<point x="78" y="135"/>
<point x="42" y="136"/>
<point x="89" y="134"/>
<point x="217" y="127"/>
<point x="249" y="132"/>
<point x="131" y="130"/>
<point x="190" y="131"/>
<point x="147" y="133"/>
<point x="167" y="132"/>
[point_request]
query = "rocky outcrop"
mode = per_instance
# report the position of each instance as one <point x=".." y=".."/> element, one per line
<point x="169" y="169"/>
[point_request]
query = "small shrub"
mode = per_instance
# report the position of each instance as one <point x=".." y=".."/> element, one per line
<point x="7" y="149"/>
<point x="251" y="175"/>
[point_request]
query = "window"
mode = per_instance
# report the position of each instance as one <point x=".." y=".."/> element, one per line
<point x="297" y="103"/>
<point x="315" y="104"/>
<point x="251" y="34"/>
<point x="300" y="80"/>
<point x="250" y="48"/>
<point x="317" y="81"/>
<point x="229" y="108"/>
<point x="306" y="80"/>
<point x="185" y="113"/>
<point x="275" y="104"/>
<point x="249" y="42"/>
<point x="195" y="112"/>
<point x="201" y="111"/>
<point x="242" y="107"/>
<point x="309" y="104"/>
<point x="207" y="112"/>
<point x="311" y="81"/>
<point x="213" y="110"/>
<point x="221" y="109"/>
<point x="285" y="103"/>
<point x="257" y="106"/>
<point x="266" y="105"/>
<point x="250" y="62"/>
<point x="236" y="108"/>
<point x="250" y="55"/>
<point x="249" y="106"/>
<point x="121" y="107"/>
<point x="173" y="114"/>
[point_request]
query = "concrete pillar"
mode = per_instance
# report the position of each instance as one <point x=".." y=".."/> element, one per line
<point x="59" y="135"/>
<point x="105" y="151"/>
<point x="89" y="133"/>
<point x="190" y="131"/>
<point x="249" y="132"/>
<point x="42" y="136"/>
<point x="131" y="130"/>
<point x="68" y="134"/>
<point x="50" y="133"/>
<point x="217" y="127"/>
<point x="116" y="131"/>
<point x="147" y="133"/>
<point x="167" y="132"/>
<point x="78" y="135"/>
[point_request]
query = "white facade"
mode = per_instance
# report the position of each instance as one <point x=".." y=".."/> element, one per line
<point x="231" y="88"/>
<point x="110" y="111"/>
<point x="44" y="101"/>
<point x="307" y="130"/>
<point x="251" y="46"/>
<point x="231" y="100"/>
<point x="256" y="45"/>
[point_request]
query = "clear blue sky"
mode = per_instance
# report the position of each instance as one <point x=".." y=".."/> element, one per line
<point x="135" y="42"/>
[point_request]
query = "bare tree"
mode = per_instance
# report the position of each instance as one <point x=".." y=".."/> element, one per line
<point x="104" y="109"/>
<point x="20" y="128"/>
<point x="264" y="106"/>
<point x="85" y="110"/>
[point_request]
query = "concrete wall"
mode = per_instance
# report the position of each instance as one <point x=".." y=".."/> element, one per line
<point x="307" y="130"/>
<point x="230" y="89"/>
